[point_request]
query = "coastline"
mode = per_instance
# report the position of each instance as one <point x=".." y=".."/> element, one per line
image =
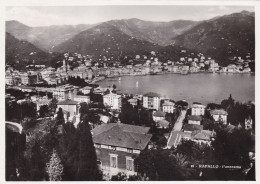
<point x="101" y="78"/>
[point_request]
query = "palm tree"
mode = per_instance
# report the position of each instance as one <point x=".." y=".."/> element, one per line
<point x="182" y="170"/>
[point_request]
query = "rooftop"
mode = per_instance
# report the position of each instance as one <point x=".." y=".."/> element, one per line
<point x="122" y="135"/>
<point x="168" y="103"/>
<point x="218" y="112"/>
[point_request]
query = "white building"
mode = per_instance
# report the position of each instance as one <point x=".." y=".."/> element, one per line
<point x="86" y="90"/>
<point x="65" y="92"/>
<point x="197" y="109"/>
<point x="112" y="100"/>
<point x="81" y="99"/>
<point x="158" y="115"/>
<point x="151" y="101"/>
<point x="219" y="115"/>
<point x="168" y="107"/>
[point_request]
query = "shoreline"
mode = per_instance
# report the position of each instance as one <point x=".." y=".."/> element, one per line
<point x="163" y="73"/>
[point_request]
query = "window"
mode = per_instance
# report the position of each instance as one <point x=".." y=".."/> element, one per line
<point x="129" y="164"/>
<point x="113" y="161"/>
<point x="129" y="150"/>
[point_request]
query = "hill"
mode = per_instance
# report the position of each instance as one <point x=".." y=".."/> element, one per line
<point x="44" y="37"/>
<point x="20" y="53"/>
<point x="154" y="32"/>
<point x="222" y="37"/>
<point x="105" y="39"/>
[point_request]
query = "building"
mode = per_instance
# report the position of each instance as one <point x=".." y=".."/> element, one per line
<point x="117" y="145"/>
<point x="81" y="99"/>
<point x="162" y="123"/>
<point x="151" y="101"/>
<point x="168" y="107"/>
<point x="158" y="115"/>
<point x="194" y="120"/>
<point x="86" y="90"/>
<point x="70" y="108"/>
<point x="219" y="115"/>
<point x="248" y="123"/>
<point x="133" y="101"/>
<point x="113" y="100"/>
<point x="197" y="109"/>
<point x="24" y="78"/>
<point x="65" y="92"/>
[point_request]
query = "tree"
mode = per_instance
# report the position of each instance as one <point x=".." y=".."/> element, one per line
<point x="87" y="167"/>
<point x="53" y="106"/>
<point x="54" y="168"/>
<point x="60" y="117"/>
<point x="44" y="111"/>
<point x="119" y="177"/>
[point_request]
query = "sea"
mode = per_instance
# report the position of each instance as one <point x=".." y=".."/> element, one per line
<point x="200" y="87"/>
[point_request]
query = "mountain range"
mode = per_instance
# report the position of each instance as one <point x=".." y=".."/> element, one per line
<point x="222" y="37"/>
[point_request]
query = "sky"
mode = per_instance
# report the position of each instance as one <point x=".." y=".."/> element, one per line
<point x="69" y="15"/>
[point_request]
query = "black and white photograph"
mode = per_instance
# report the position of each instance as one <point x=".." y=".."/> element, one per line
<point x="130" y="93"/>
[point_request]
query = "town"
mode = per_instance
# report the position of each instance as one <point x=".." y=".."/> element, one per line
<point x="45" y="107"/>
<point x="77" y="65"/>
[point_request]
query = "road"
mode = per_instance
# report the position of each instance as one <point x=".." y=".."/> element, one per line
<point x="179" y="122"/>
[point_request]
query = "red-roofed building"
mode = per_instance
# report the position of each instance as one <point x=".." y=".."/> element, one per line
<point x="117" y="145"/>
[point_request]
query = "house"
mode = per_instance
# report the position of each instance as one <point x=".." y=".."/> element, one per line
<point x="197" y="109"/>
<point x="113" y="100"/>
<point x="219" y="115"/>
<point x="65" y="92"/>
<point x="194" y="120"/>
<point x="71" y="108"/>
<point x="158" y="115"/>
<point x="133" y="101"/>
<point x="202" y="136"/>
<point x="81" y="99"/>
<point x="168" y="107"/>
<point x="151" y="100"/>
<point x="198" y="136"/>
<point x="162" y="123"/>
<point x="248" y="123"/>
<point x="117" y="145"/>
<point x="86" y="90"/>
<point x="192" y="127"/>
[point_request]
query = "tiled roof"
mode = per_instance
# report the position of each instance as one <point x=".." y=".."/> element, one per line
<point x="194" y="118"/>
<point x="192" y="127"/>
<point x="168" y="103"/>
<point x="218" y="112"/>
<point x="67" y="102"/>
<point x="122" y="135"/>
<point x="159" y="114"/>
<point x="152" y="94"/>
<point x="202" y="135"/>
<point x="197" y="105"/>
